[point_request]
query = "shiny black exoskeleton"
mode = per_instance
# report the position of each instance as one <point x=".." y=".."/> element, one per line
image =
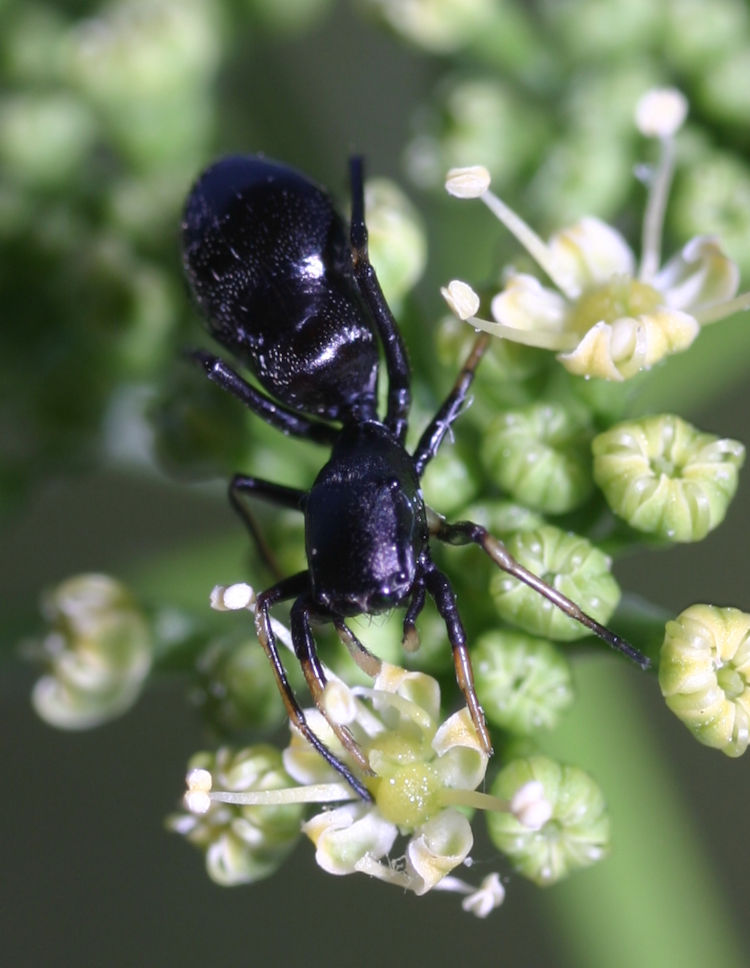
<point x="297" y="302"/>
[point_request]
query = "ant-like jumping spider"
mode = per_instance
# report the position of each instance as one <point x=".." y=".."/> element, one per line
<point x="298" y="304"/>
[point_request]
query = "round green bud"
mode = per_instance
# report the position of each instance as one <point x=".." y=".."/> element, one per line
<point x="438" y="26"/>
<point x="523" y="683"/>
<point x="664" y="477"/>
<point x="44" y="138"/>
<point x="576" y="835"/>
<point x="715" y="191"/>
<point x="450" y="481"/>
<point x="704" y="675"/>
<point x="540" y="455"/>
<point x="698" y="44"/>
<point x="398" y="244"/>
<point x="569" y="563"/>
<point x="239" y="688"/>
<point x="466" y="124"/>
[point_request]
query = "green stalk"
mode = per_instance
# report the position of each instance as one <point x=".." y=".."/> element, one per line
<point x="655" y="901"/>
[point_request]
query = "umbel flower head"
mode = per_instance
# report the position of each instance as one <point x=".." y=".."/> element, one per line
<point x="424" y="777"/>
<point x="606" y="316"/>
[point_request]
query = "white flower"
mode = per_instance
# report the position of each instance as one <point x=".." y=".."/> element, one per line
<point x="424" y="770"/>
<point x="606" y="316"/>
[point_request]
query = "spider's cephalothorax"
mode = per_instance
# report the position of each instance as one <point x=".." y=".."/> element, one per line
<point x="298" y="303"/>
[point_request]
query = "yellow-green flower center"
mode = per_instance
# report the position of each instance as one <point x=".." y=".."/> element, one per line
<point x="620" y="296"/>
<point x="409" y="796"/>
<point x="731" y="682"/>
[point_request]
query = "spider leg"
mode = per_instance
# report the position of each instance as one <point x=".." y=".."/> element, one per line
<point x="445" y="600"/>
<point x="410" y="639"/>
<point x="304" y="648"/>
<point x="274" y="413"/>
<point x="279" y="494"/>
<point x="433" y="434"/>
<point x="466" y="532"/>
<point x="369" y="664"/>
<point x="399" y="393"/>
<point x="290" y="588"/>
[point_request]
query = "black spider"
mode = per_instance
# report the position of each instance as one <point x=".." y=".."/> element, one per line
<point x="299" y="305"/>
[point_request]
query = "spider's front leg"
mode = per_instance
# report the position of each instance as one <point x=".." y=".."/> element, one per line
<point x="445" y="600"/>
<point x="315" y="677"/>
<point x="290" y="588"/>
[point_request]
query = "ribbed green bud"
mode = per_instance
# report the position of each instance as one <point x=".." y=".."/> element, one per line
<point x="44" y="138"/>
<point x="523" y="683"/>
<point x="242" y="843"/>
<point x="450" y="481"/>
<point x="398" y="244"/>
<point x="466" y="125"/>
<point x="239" y="689"/>
<point x="664" y="477"/>
<point x="577" y="833"/>
<point x="540" y="455"/>
<point x="98" y="650"/>
<point x="704" y="675"/>
<point x="715" y="190"/>
<point x="603" y="29"/>
<point x="503" y="518"/>
<point x="570" y="564"/>
<point x="505" y="365"/>
<point x="438" y="26"/>
<point x="697" y="43"/>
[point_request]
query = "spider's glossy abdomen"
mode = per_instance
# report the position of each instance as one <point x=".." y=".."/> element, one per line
<point x="268" y="260"/>
<point x="365" y="524"/>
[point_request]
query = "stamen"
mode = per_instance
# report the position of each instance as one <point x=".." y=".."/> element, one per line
<point x="461" y="298"/>
<point x="713" y="314"/>
<point x="534" y="245"/>
<point x="469" y="182"/>
<point x="315" y="793"/>
<point x="656" y="204"/>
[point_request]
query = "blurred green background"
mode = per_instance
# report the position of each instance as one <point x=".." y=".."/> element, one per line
<point x="107" y="113"/>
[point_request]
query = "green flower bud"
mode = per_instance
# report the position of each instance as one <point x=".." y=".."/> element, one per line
<point x="697" y="43"/>
<point x="540" y="455"/>
<point x="466" y="124"/>
<point x="713" y="193"/>
<point x="239" y="686"/>
<point x="438" y="26"/>
<point x="577" y="833"/>
<point x="570" y="564"/>
<point x="523" y="683"/>
<point x="99" y="653"/>
<point x="665" y="477"/>
<point x="450" y="481"/>
<point x="242" y="843"/>
<point x="504" y="518"/>
<point x="605" y="28"/>
<point x="704" y="675"/>
<point x="723" y="91"/>
<point x="398" y="244"/>
<point x="44" y="138"/>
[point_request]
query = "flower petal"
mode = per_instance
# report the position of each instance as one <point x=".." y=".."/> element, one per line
<point x="343" y="836"/>
<point x="590" y="252"/>
<point x="619" y="350"/>
<point x="699" y="276"/>
<point x="442" y="844"/>
<point x="526" y="304"/>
